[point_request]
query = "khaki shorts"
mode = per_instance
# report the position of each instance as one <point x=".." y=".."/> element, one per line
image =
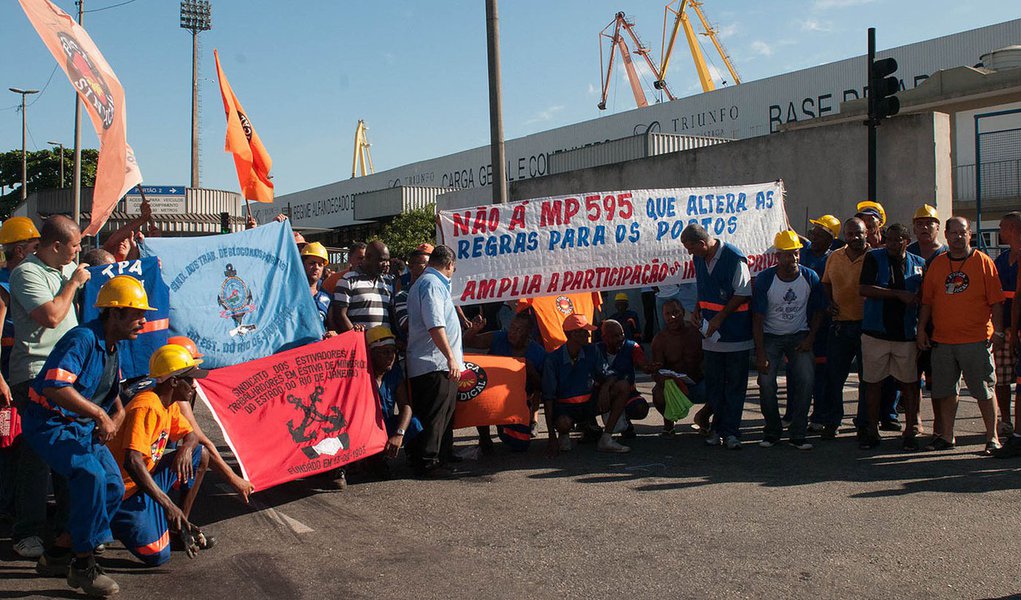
<point x="974" y="361"/>
<point x="884" y="358"/>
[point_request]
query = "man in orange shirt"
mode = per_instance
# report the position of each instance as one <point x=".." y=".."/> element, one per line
<point x="152" y="421"/>
<point x="962" y="297"/>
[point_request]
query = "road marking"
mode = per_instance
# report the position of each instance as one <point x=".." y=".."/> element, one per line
<point x="280" y="518"/>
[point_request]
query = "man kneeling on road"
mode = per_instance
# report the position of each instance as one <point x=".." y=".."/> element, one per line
<point x="622" y="357"/>
<point x="153" y="419"/>
<point x="575" y="386"/>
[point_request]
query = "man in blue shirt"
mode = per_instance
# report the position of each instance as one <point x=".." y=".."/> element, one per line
<point x="434" y="361"/>
<point x="576" y="385"/>
<point x="314" y="258"/>
<point x="74" y="410"/>
<point x="724" y="288"/>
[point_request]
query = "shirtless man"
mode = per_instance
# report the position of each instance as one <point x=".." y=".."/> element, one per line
<point x="678" y="348"/>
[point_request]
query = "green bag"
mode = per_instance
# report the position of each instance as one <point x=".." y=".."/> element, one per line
<point x="677" y="404"/>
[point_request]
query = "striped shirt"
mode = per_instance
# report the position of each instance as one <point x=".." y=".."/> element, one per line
<point x="367" y="299"/>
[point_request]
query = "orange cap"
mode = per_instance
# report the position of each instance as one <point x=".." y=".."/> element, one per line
<point x="425" y="248"/>
<point x="187" y="343"/>
<point x="575" y="322"/>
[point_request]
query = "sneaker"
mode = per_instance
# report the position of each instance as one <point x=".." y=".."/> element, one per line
<point x="1004" y="430"/>
<point x="992" y="446"/>
<point x="768" y="443"/>
<point x="84" y="573"/>
<point x="714" y="440"/>
<point x="1011" y="449"/>
<point x="54" y="565"/>
<point x="733" y="443"/>
<point x="608" y="444"/>
<point x="816" y="427"/>
<point x="30" y="547"/>
<point x="565" y="442"/>
<point x="801" y="444"/>
<point x="891" y="426"/>
<point x="829" y="432"/>
<point x="910" y="444"/>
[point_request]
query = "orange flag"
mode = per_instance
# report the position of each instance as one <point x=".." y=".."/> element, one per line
<point x="491" y="392"/>
<point x="250" y="157"/>
<point x="103" y="97"/>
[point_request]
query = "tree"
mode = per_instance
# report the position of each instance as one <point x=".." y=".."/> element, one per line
<point x="43" y="172"/>
<point x="407" y="230"/>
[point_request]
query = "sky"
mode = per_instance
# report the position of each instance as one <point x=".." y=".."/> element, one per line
<point x="416" y="72"/>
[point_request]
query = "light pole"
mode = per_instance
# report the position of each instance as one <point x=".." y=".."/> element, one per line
<point x="61" y="161"/>
<point x="196" y="16"/>
<point x="24" y="129"/>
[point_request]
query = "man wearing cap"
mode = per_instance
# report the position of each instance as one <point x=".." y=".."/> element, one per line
<point x="435" y="360"/>
<point x="74" y="410"/>
<point x="821" y="239"/>
<point x="149" y="471"/>
<point x="962" y="297"/>
<point x="43" y="288"/>
<point x="576" y="386"/>
<point x="874" y="216"/>
<point x="841" y="281"/>
<point x="314" y="258"/>
<point x="361" y="299"/>
<point x="628" y="319"/>
<point x="724" y="288"/>
<point x="890" y="282"/>
<point x="1005" y="358"/>
<point x="398" y="418"/>
<point x="925" y="226"/>
<point x="787" y="309"/>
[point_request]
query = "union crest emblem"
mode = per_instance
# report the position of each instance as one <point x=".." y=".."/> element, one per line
<point x="236" y="300"/>
<point x="565" y="305"/>
<point x="87" y="79"/>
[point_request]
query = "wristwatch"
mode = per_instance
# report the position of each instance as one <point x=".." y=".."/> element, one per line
<point x="399" y="431"/>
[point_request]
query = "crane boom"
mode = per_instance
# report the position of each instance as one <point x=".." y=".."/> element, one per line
<point x="681" y="20"/>
<point x="362" y="157"/>
<point x="618" y="43"/>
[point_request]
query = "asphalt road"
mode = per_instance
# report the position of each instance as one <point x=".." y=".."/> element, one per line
<point x="674" y="518"/>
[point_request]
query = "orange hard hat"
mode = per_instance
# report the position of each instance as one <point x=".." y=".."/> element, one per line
<point x="187" y="343"/>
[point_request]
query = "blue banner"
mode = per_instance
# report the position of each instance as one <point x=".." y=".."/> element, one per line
<point x="134" y="354"/>
<point x="240" y="296"/>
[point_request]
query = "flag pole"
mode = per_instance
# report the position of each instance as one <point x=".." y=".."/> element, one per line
<point x="248" y="205"/>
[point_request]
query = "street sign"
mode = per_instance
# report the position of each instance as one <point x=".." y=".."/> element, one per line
<point x="163" y="199"/>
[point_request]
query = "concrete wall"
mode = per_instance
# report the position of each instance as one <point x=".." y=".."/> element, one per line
<point x="823" y="169"/>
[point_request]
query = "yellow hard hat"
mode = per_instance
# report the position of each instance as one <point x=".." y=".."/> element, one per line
<point x="315" y="249"/>
<point x="170" y="360"/>
<point x="787" y="240"/>
<point x="866" y="204"/>
<point x="620" y="297"/>
<point x="379" y="335"/>
<point x="829" y="223"/>
<point x="123" y="291"/>
<point x="926" y="211"/>
<point x="18" y="229"/>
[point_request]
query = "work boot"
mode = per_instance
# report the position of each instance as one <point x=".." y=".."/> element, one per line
<point x="87" y="575"/>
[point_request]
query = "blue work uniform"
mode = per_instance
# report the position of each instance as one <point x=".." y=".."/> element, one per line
<point x="388" y="402"/>
<point x="322" y="300"/>
<point x="623" y="367"/>
<point x="570" y="383"/>
<point x="66" y="440"/>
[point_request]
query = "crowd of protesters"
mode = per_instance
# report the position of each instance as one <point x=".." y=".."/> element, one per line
<point x="125" y="459"/>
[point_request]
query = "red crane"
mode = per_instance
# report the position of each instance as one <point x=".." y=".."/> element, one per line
<point x="617" y="42"/>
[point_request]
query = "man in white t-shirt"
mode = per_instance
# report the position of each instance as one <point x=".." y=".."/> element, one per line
<point x="787" y="309"/>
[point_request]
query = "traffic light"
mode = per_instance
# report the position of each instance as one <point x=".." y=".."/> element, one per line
<point x="224" y="222"/>
<point x="882" y="89"/>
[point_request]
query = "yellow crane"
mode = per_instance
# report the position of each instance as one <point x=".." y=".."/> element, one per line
<point x="681" y="20"/>
<point x="617" y="44"/>
<point x="362" y="157"/>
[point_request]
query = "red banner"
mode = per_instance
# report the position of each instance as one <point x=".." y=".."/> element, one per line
<point x="300" y="412"/>
<point x="491" y="392"/>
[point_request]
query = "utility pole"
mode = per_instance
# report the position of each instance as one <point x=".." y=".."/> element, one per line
<point x="24" y="129"/>
<point x="61" y="145"/>
<point x="495" y="105"/>
<point x="76" y="179"/>
<point x="196" y="16"/>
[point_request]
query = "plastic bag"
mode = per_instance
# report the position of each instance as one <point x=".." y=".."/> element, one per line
<point x="677" y="403"/>
<point x="10" y="426"/>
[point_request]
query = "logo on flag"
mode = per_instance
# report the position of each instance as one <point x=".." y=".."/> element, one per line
<point x="473" y="382"/>
<point x="87" y="78"/>
<point x="236" y="299"/>
<point x="319" y="423"/>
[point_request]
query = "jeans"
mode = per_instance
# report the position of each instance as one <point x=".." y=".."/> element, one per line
<point x="726" y="385"/>
<point x="842" y="346"/>
<point x="800" y="377"/>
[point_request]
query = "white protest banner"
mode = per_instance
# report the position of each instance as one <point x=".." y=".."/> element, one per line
<point x="603" y="240"/>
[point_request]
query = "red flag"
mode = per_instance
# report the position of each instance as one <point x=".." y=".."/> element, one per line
<point x="491" y="392"/>
<point x="103" y="97"/>
<point x="300" y="412"/>
<point x="250" y="157"/>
